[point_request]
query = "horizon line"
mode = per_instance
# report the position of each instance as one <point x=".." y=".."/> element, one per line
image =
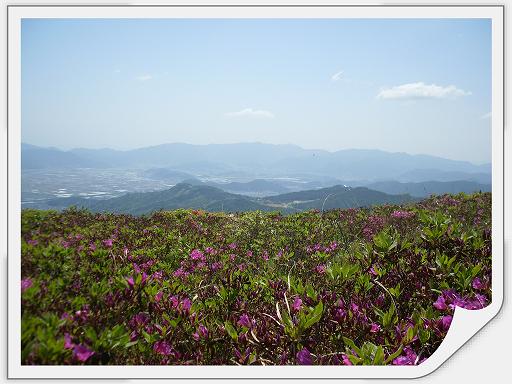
<point x="258" y="143"/>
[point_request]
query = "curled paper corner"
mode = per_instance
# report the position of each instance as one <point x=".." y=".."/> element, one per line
<point x="465" y="324"/>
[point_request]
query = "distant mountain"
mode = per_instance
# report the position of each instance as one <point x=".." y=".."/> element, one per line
<point x="425" y="189"/>
<point x="214" y="199"/>
<point x="420" y="175"/>
<point x="337" y="197"/>
<point x="251" y="159"/>
<point x="33" y="157"/>
<point x="166" y="174"/>
<point x="180" y="196"/>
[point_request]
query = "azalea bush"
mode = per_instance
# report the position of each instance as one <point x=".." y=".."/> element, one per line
<point x="350" y="287"/>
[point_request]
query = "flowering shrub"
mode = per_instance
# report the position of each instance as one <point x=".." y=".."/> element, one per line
<point x="344" y="287"/>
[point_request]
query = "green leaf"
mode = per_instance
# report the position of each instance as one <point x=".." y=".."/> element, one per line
<point x="394" y="355"/>
<point x="315" y="315"/>
<point x="230" y="330"/>
<point x="131" y="343"/>
<point x="351" y="345"/>
<point x="379" y="356"/>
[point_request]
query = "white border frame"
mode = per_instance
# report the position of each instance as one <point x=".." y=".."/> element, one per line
<point x="465" y="323"/>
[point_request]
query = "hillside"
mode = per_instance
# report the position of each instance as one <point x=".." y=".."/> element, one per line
<point x="201" y="196"/>
<point x="337" y="197"/>
<point x="188" y="287"/>
<point x="427" y="188"/>
<point x="180" y="196"/>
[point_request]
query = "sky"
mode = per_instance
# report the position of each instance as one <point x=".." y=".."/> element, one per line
<point x="399" y="85"/>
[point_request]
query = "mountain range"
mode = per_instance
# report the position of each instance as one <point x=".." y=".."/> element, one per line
<point x="184" y="195"/>
<point x="256" y="160"/>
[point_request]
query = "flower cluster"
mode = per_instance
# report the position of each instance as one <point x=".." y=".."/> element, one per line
<point x="342" y="287"/>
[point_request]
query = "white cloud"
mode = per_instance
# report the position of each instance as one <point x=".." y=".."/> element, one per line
<point x="421" y="91"/>
<point x="337" y="76"/>
<point x="488" y="115"/>
<point x="144" y="77"/>
<point x="253" y="113"/>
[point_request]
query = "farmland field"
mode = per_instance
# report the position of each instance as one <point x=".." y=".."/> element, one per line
<point x="367" y="286"/>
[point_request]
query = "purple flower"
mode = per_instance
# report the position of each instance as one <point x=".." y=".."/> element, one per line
<point x="345" y="360"/>
<point x="445" y="322"/>
<point x="232" y="246"/>
<point x="479" y="284"/>
<point x="32" y="242"/>
<point x="196" y="254"/>
<point x="82" y="353"/>
<point x="375" y="328"/>
<point x="201" y="333"/>
<point x="354" y="308"/>
<point x="304" y="357"/>
<point x="402" y="360"/>
<point x="140" y="319"/>
<point x="297" y="304"/>
<point x="25" y="284"/>
<point x="321" y="269"/>
<point x="340" y="315"/>
<point x="130" y="281"/>
<point x="409" y="358"/>
<point x="108" y="243"/>
<point x="68" y="344"/>
<point x="402" y="214"/>
<point x="180" y="272"/>
<point x="158" y="296"/>
<point x="186" y="304"/>
<point x="162" y="347"/>
<point x="92" y="247"/>
<point x="174" y="302"/>
<point x="244" y="321"/>
<point x="216" y="266"/>
<point x="157" y="275"/>
<point x="440" y="303"/>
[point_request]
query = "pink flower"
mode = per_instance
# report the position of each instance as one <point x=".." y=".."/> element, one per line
<point x="25" y="284"/>
<point x="345" y="360"/>
<point x="478" y="284"/>
<point x="82" y="353"/>
<point x="158" y="296"/>
<point x="202" y="333"/>
<point x="108" y="243"/>
<point x="440" y="303"/>
<point x="446" y="322"/>
<point x="297" y="304"/>
<point x="162" y="347"/>
<point x="68" y="344"/>
<point x="186" y="304"/>
<point x="197" y="255"/>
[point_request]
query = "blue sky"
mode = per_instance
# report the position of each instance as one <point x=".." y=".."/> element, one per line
<point x="416" y="86"/>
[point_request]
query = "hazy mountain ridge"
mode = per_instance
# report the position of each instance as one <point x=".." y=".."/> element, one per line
<point x="214" y="199"/>
<point x="254" y="159"/>
<point x="425" y="189"/>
